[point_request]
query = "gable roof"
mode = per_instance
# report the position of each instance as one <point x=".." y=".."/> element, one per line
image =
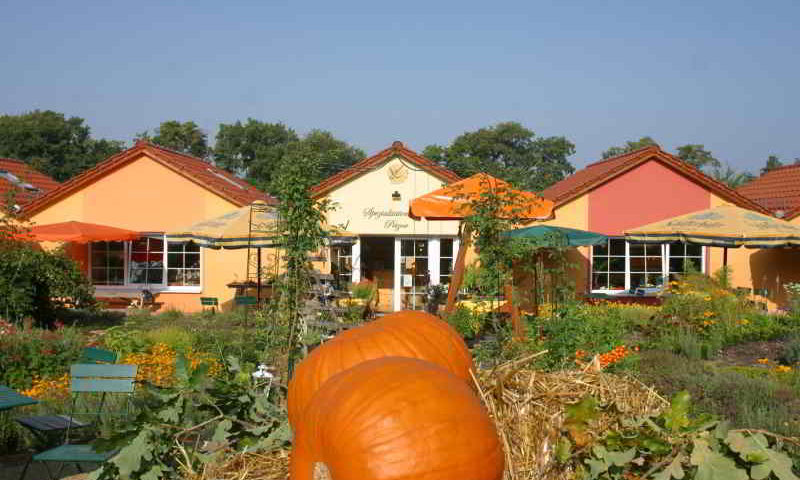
<point x="22" y="179"/>
<point x="776" y="190"/>
<point x="598" y="173"/>
<point x="375" y="161"/>
<point x="214" y="179"/>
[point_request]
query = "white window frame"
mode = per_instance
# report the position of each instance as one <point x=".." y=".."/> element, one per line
<point x="665" y="255"/>
<point x="128" y="287"/>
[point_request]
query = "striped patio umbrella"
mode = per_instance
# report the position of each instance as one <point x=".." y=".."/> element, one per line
<point x="251" y="226"/>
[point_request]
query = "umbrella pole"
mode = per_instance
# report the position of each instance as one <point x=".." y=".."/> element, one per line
<point x="724" y="257"/>
<point x="458" y="270"/>
<point x="258" y="278"/>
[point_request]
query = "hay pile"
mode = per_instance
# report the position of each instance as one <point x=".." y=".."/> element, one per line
<point x="528" y="408"/>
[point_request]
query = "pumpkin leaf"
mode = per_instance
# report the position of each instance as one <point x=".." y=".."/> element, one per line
<point x="673" y="470"/>
<point x="597" y="467"/>
<point x="563" y="449"/>
<point x="751" y="448"/>
<point x="129" y="459"/>
<point x="578" y="415"/>
<point x="154" y="473"/>
<point x="721" y="430"/>
<point x="222" y="432"/>
<point x="712" y="465"/>
<point x="620" y="459"/>
<point x="778" y="463"/>
<point x="677" y="415"/>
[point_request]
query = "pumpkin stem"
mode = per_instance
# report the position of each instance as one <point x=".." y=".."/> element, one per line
<point x="321" y="472"/>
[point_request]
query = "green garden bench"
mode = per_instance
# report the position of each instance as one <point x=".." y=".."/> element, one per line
<point x="87" y="379"/>
<point x="97" y="355"/>
<point x="212" y="303"/>
<point x="245" y="301"/>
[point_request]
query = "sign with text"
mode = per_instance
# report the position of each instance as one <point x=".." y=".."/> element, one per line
<point x="395" y="220"/>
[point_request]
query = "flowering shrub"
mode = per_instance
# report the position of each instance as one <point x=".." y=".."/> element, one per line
<point x="157" y="365"/>
<point x="36" y="353"/>
<point x="49" y="388"/>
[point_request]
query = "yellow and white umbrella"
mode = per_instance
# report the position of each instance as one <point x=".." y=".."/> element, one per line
<point x="252" y="226"/>
<point x="723" y="226"/>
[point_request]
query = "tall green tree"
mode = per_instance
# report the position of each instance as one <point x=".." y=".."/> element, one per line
<point x="772" y="163"/>
<point x="332" y="154"/>
<point x="730" y="176"/>
<point x="185" y="137"/>
<point x="509" y="151"/>
<point x="629" y="147"/>
<point x="52" y="143"/>
<point x="252" y="149"/>
<point x="697" y="156"/>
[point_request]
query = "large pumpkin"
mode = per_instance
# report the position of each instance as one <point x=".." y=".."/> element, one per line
<point x="401" y="334"/>
<point x="396" y="418"/>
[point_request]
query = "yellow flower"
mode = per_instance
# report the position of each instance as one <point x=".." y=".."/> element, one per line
<point x="763" y="361"/>
<point x="783" y="369"/>
<point x="707" y="299"/>
<point x="744" y="321"/>
<point x="708" y="313"/>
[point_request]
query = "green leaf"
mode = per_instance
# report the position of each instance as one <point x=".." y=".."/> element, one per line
<point x="155" y="473"/>
<point x="563" y="449"/>
<point x="233" y="364"/>
<point x="721" y="430"/>
<point x="712" y="465"/>
<point x="596" y="467"/>
<point x="677" y="416"/>
<point x="222" y="432"/>
<point x="620" y="459"/>
<point x="279" y="437"/>
<point x="129" y="459"/>
<point x="751" y="448"/>
<point x="582" y="412"/>
<point x="673" y="470"/>
<point x="778" y="463"/>
<point x="170" y="414"/>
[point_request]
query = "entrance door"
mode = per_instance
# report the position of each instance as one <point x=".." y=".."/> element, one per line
<point x="414" y="273"/>
<point x="377" y="265"/>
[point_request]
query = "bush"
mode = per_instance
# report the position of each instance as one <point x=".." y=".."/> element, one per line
<point x="790" y="352"/>
<point x="467" y="323"/>
<point x="35" y="283"/>
<point x="36" y="353"/>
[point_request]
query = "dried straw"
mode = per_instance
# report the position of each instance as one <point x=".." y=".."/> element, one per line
<point x="528" y="408"/>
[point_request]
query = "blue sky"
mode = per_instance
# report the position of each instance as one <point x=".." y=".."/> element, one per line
<point x="721" y="73"/>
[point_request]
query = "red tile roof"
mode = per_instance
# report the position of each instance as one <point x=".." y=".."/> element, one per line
<point x="222" y="183"/>
<point x="21" y="174"/>
<point x="375" y="161"/>
<point x="598" y="173"/>
<point x="776" y="190"/>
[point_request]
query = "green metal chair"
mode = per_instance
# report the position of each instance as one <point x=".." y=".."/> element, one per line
<point x="97" y="355"/>
<point x="212" y="303"/>
<point x="245" y="301"/>
<point x="43" y="426"/>
<point x="86" y="379"/>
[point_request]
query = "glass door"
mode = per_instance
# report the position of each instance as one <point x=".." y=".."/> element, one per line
<point x="414" y="273"/>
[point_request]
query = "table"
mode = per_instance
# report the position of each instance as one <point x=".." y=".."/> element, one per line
<point x="11" y="399"/>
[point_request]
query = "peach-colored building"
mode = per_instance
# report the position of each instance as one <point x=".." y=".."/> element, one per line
<point x="152" y="190"/>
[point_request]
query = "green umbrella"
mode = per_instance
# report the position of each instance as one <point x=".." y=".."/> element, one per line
<point x="559" y="236"/>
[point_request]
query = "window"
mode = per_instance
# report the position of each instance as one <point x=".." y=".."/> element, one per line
<point x="108" y="263"/>
<point x="618" y="265"/>
<point x="148" y="262"/>
<point x="608" y="265"/>
<point x="183" y="264"/>
<point x="414" y="274"/>
<point x="342" y="265"/>
<point x="682" y="253"/>
<point x="446" y="258"/>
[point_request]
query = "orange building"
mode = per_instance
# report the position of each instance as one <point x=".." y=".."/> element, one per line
<point x="152" y="190"/>
<point x="21" y="184"/>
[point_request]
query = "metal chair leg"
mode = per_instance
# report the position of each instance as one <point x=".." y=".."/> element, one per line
<point x="25" y="470"/>
<point x="49" y="473"/>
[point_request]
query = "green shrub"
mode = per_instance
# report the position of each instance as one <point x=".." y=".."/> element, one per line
<point x="178" y="338"/>
<point x="25" y="354"/>
<point x="790" y="352"/>
<point x="467" y="323"/>
<point x="36" y="283"/>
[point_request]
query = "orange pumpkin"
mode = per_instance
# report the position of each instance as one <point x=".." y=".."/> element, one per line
<point x="396" y="418"/>
<point x="402" y="334"/>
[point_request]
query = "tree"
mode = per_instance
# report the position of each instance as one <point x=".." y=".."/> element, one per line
<point x="184" y="137"/>
<point x="53" y="144"/>
<point x="629" y="147"/>
<point x="508" y="151"/>
<point x="772" y="163"/>
<point x="697" y="156"/>
<point x="731" y="177"/>
<point x="253" y="149"/>
<point x="332" y="154"/>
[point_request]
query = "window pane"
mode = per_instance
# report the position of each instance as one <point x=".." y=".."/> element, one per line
<point x="116" y="259"/>
<point x="138" y="275"/>
<point x="175" y="260"/>
<point x="116" y="276"/>
<point x="617" y="246"/>
<point x="155" y="276"/>
<point x="676" y="249"/>
<point x="599" y="281"/>
<point x="421" y="248"/>
<point x="653" y="264"/>
<point x="617" y="264"/>
<point x="192" y="277"/>
<point x="637" y="279"/>
<point x="139" y="245"/>
<point x="446" y="247"/>
<point x="600" y="264"/>
<point x="617" y="281"/>
<point x="155" y="259"/>
<point x="694" y="250"/>
<point x="192" y="260"/>
<point x="422" y="265"/>
<point x="175" y="246"/>
<point x="99" y="276"/>
<point x="445" y="266"/>
<point x="676" y="265"/>
<point x="600" y="249"/>
<point x="116" y="246"/>
<point x="697" y="262"/>
<point x="637" y="264"/>
<point x="156" y="244"/>
<point x="637" y="249"/>
<point x="407" y="248"/>
<point x="174" y="277"/>
<point x="193" y="247"/>
<point x="653" y="249"/>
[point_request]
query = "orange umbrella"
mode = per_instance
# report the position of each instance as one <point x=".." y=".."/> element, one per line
<point x="79" y="232"/>
<point x="452" y="202"/>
